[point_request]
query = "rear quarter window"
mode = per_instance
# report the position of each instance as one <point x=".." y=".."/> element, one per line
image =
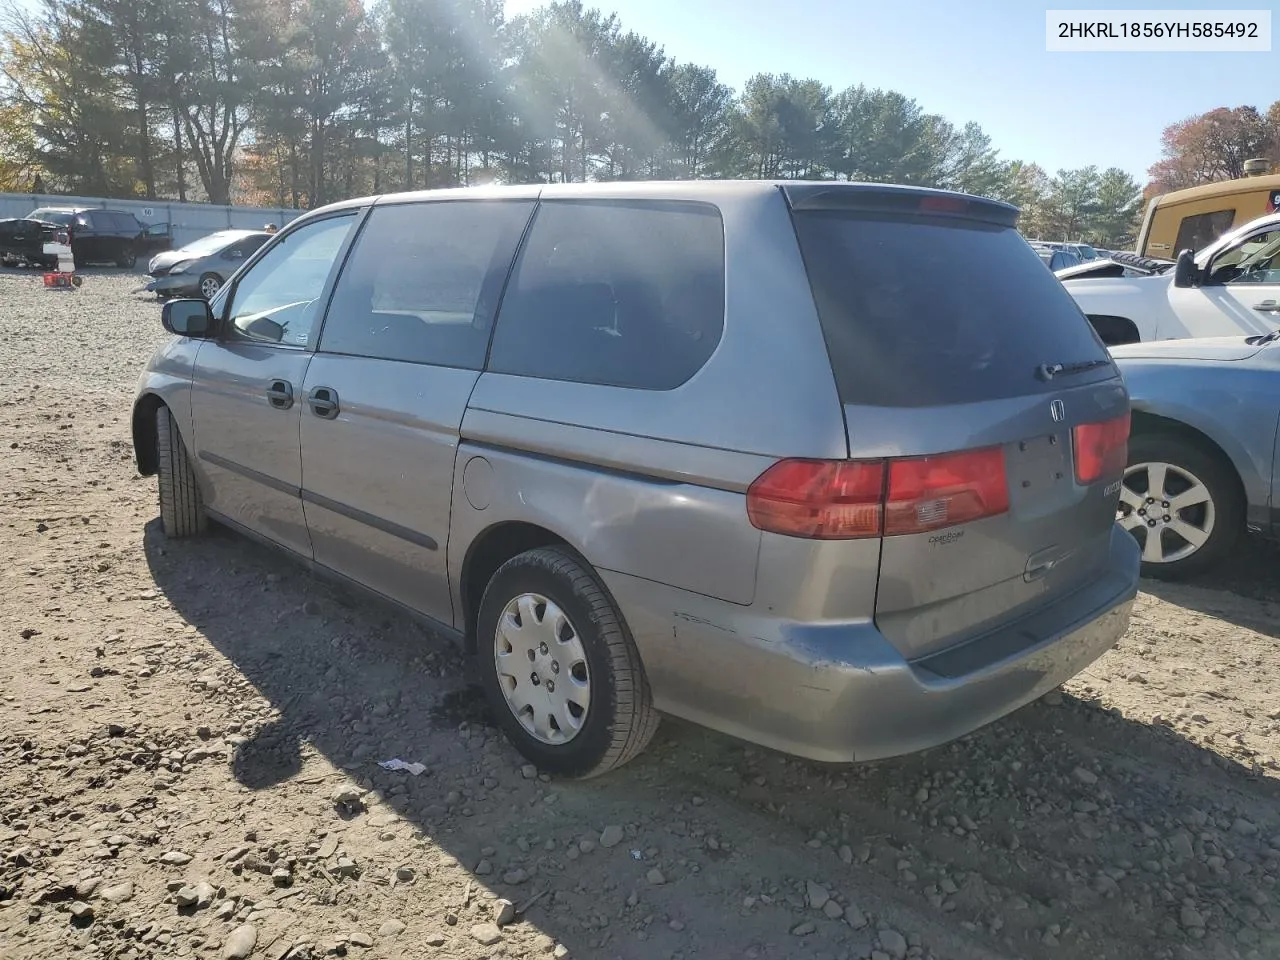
<point x="922" y="311"/>
<point x="617" y="293"/>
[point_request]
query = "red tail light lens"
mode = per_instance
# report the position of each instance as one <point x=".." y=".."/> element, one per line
<point x="819" y="499"/>
<point x="850" y="499"/>
<point x="928" y="493"/>
<point x="938" y="203"/>
<point x="1102" y="449"/>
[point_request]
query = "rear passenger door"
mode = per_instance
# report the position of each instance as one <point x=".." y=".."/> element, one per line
<point x="403" y="342"/>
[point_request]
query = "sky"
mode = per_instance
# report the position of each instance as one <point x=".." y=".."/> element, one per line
<point x="980" y="60"/>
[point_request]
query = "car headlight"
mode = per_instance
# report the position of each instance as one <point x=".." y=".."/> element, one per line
<point x="180" y="267"/>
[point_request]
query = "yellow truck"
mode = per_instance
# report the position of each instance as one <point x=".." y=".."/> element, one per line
<point x="1193" y="218"/>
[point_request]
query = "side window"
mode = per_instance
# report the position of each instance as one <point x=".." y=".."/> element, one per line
<point x="1253" y="261"/>
<point x="1199" y="231"/>
<point x="619" y="293"/>
<point x="423" y="280"/>
<point x="277" y="301"/>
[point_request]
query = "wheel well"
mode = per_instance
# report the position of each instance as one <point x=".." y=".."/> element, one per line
<point x="491" y="550"/>
<point x="144" y="434"/>
<point x="1115" y="330"/>
<point x="1143" y="422"/>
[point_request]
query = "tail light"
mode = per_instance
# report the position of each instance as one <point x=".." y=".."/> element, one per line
<point x="854" y="499"/>
<point x="1102" y="449"/>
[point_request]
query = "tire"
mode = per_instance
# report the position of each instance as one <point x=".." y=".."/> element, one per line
<point x="127" y="257"/>
<point x="181" y="503"/>
<point x="618" y="720"/>
<point x="1213" y="517"/>
<point x="210" y="284"/>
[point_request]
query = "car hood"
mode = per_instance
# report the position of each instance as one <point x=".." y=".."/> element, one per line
<point x="1222" y="349"/>
<point x="167" y="259"/>
<point x="1116" y="284"/>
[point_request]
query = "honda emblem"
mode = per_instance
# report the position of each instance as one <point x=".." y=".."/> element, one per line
<point x="1057" y="410"/>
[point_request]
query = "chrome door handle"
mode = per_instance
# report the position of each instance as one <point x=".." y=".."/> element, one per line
<point x="1267" y="306"/>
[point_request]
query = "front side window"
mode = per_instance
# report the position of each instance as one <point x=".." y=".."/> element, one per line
<point x="423" y="280"/>
<point x="1255" y="260"/>
<point x="1195" y="233"/>
<point x="278" y="300"/>
<point x="617" y="293"/>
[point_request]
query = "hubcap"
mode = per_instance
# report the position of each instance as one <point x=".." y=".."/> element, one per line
<point x="542" y="668"/>
<point x="1168" y="510"/>
<point x="209" y="287"/>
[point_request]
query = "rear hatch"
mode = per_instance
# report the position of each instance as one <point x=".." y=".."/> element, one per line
<point x="967" y="369"/>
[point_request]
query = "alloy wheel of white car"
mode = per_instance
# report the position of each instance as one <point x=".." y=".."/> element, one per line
<point x="1171" y="506"/>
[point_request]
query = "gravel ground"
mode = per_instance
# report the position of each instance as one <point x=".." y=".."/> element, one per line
<point x="189" y="735"/>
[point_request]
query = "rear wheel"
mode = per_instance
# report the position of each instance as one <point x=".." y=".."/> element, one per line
<point x="181" y="504"/>
<point x="210" y="284"/>
<point x="559" y="667"/>
<point x="1182" y="504"/>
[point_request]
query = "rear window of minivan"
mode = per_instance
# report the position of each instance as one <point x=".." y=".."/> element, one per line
<point x="920" y="311"/>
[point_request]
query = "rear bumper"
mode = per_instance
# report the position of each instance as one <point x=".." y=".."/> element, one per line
<point x="840" y="692"/>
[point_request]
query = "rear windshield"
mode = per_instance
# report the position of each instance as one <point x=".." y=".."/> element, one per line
<point x="60" y="217"/>
<point x="918" y="312"/>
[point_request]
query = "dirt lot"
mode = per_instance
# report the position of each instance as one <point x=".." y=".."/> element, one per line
<point x="176" y="720"/>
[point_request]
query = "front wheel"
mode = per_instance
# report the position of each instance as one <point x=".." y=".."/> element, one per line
<point x="1182" y="504"/>
<point x="181" y="503"/>
<point x="127" y="257"/>
<point x="210" y="284"/>
<point x="559" y="667"/>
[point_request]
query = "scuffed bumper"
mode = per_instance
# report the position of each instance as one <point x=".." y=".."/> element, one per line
<point x="840" y="692"/>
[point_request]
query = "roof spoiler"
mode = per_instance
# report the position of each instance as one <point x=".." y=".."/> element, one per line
<point x="893" y="199"/>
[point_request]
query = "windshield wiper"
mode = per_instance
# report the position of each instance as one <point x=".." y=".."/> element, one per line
<point x="1047" y="371"/>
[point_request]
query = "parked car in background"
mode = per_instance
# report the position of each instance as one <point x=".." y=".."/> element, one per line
<point x="201" y="268"/>
<point x="565" y="423"/>
<point x="1202" y="455"/>
<point x="1230" y="288"/>
<point x="1057" y="259"/>
<point x="31" y="242"/>
<point x="98" y="235"/>
<point x="1083" y="251"/>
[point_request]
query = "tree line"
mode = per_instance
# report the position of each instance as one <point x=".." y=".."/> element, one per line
<point x="1215" y="146"/>
<point x="301" y="102"/>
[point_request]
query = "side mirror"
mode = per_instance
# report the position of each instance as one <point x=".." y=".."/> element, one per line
<point x="1185" y="271"/>
<point x="188" y="318"/>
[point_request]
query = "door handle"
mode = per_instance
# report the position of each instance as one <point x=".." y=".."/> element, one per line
<point x="280" y="394"/>
<point x="324" y="402"/>
<point x="1267" y="306"/>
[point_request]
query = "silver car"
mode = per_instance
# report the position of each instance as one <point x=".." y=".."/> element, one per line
<point x="200" y="268"/>
<point x="1204" y="466"/>
<point x="829" y="467"/>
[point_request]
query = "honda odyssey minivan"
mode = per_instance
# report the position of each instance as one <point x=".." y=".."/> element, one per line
<point x="832" y="468"/>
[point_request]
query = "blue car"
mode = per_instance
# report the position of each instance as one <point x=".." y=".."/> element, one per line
<point x="1202" y="465"/>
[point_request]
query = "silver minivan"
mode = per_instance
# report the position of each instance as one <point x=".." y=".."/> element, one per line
<point x="832" y="468"/>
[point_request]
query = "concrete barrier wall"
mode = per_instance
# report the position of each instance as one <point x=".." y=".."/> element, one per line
<point x="190" y="221"/>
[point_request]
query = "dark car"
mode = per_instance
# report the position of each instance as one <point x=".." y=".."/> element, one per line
<point x="98" y="235"/>
<point x="24" y="241"/>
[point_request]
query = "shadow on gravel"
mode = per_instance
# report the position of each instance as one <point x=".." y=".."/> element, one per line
<point x="1251" y="574"/>
<point x="1011" y="832"/>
